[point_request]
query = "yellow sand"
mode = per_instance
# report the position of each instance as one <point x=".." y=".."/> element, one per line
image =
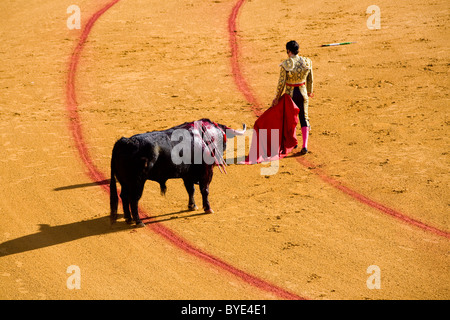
<point x="379" y="125"/>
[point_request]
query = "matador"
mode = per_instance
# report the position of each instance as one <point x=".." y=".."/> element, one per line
<point x="296" y="78"/>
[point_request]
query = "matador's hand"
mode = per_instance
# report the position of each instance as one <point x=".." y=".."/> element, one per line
<point x="274" y="102"/>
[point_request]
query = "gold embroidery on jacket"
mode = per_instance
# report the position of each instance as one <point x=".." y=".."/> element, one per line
<point x="295" y="70"/>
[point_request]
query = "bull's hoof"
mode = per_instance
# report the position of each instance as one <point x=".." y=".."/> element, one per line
<point x="140" y="224"/>
<point x="209" y="211"/>
<point x="129" y="221"/>
<point x="193" y="207"/>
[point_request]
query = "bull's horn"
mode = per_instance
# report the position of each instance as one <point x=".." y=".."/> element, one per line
<point x="241" y="132"/>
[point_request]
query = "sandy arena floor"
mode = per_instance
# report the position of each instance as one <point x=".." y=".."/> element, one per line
<point x="379" y="147"/>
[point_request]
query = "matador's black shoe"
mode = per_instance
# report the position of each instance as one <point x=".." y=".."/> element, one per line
<point x="303" y="151"/>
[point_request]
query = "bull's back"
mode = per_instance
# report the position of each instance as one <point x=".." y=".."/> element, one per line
<point x="164" y="167"/>
<point x="157" y="147"/>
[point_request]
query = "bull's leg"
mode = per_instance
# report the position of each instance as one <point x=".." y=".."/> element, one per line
<point x="134" y="199"/>
<point x="205" y="180"/>
<point x="134" y="211"/>
<point x="124" y="195"/>
<point x="190" y="188"/>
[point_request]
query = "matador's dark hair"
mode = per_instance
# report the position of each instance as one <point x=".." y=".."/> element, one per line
<point x="292" y="46"/>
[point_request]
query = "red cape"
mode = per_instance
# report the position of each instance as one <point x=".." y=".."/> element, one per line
<point x="280" y="122"/>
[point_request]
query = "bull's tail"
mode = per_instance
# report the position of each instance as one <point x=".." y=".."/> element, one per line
<point x="113" y="198"/>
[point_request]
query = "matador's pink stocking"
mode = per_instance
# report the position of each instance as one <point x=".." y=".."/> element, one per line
<point x="305" y="134"/>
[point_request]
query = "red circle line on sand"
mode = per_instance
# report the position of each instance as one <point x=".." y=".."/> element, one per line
<point x="75" y="127"/>
<point x="246" y="90"/>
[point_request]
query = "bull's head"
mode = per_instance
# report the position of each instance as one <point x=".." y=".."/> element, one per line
<point x="231" y="133"/>
<point x="215" y="137"/>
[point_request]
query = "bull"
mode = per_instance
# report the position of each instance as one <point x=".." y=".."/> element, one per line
<point x="188" y="151"/>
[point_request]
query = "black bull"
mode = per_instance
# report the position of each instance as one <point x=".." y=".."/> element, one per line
<point x="151" y="156"/>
